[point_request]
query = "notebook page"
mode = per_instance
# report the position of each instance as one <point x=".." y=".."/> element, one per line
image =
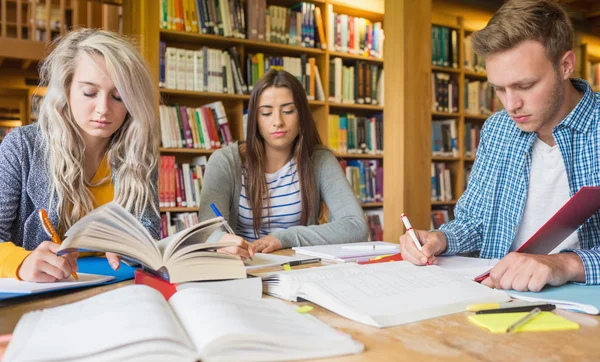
<point x="227" y="328"/>
<point x="263" y="260"/>
<point x="398" y="293"/>
<point x="114" y="319"/>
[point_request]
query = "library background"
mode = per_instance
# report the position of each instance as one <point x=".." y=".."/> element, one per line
<point x="422" y="84"/>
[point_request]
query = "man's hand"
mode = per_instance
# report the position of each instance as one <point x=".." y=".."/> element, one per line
<point x="523" y="272"/>
<point x="242" y="248"/>
<point x="434" y="243"/>
<point x="267" y="244"/>
<point x="43" y="266"/>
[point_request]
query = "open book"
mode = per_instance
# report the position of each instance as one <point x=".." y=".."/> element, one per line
<point x="185" y="256"/>
<point x="136" y="323"/>
<point x="381" y="295"/>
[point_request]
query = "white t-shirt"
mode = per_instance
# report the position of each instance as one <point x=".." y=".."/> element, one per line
<point x="548" y="192"/>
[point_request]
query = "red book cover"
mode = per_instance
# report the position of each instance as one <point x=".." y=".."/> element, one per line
<point x="164" y="287"/>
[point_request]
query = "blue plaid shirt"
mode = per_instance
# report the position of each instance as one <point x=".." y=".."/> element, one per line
<point x="488" y="214"/>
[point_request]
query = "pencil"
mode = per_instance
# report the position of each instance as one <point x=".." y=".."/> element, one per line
<point x="47" y="225"/>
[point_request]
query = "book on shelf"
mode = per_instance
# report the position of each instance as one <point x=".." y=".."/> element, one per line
<point x="480" y="99"/>
<point x="375" y="224"/>
<point x="472" y="135"/>
<point x="303" y="68"/>
<point x="203" y="70"/>
<point x="444" y="91"/>
<point x="351" y="134"/>
<point x="179" y="185"/>
<point x="354" y="35"/>
<point x="365" y="178"/>
<point x="205" y="127"/>
<point x="381" y="295"/>
<point x="195" y="324"/>
<point x="441" y="182"/>
<point x="472" y="61"/>
<point x="359" y="83"/>
<point x="444" y="47"/>
<point x="444" y="140"/>
<point x="186" y="256"/>
<point x="441" y="215"/>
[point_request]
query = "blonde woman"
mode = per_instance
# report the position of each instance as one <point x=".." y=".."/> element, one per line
<point x="96" y="141"/>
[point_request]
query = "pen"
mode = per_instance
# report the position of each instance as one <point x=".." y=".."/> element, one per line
<point x="521" y="322"/>
<point x="543" y="307"/>
<point x="515" y="304"/>
<point x="302" y="262"/>
<point x="227" y="227"/>
<point x="410" y="231"/>
<point x="370" y="247"/>
<point x="49" y="229"/>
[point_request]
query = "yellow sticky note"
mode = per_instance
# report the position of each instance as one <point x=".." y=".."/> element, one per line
<point x="304" y="309"/>
<point x="287" y="267"/>
<point x="545" y="321"/>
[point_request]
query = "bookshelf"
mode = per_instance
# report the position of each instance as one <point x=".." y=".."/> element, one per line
<point x="587" y="59"/>
<point x="144" y="25"/>
<point x="464" y="118"/>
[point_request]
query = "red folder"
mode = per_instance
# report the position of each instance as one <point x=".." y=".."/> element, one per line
<point x="567" y="219"/>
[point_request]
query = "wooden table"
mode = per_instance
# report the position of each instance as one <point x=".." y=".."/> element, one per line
<point x="449" y="338"/>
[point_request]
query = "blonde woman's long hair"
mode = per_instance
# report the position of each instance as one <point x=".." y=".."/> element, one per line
<point x="133" y="148"/>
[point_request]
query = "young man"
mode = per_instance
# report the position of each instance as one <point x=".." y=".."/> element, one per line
<point x="532" y="158"/>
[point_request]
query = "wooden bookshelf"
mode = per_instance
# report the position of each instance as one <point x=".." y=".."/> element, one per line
<point x="456" y="165"/>
<point x="588" y="56"/>
<point x="142" y="25"/>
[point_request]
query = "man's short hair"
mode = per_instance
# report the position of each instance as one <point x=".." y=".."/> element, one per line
<point x="544" y="21"/>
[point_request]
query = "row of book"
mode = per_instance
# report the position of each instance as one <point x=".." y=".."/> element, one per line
<point x="444" y="92"/>
<point x="361" y="83"/>
<point x="593" y="71"/>
<point x="444" y="140"/>
<point x="473" y="62"/>
<point x="219" y="71"/>
<point x="205" y="127"/>
<point x="444" y="46"/>
<point x="303" y="68"/>
<point x="355" y="35"/>
<point x="351" y="134"/>
<point x="203" y="70"/>
<point x="375" y="224"/>
<point x="444" y="50"/>
<point x="172" y="223"/>
<point x="179" y="184"/>
<point x="472" y="135"/>
<point x="441" y="182"/>
<point x="302" y="25"/>
<point x="480" y="98"/>
<point x="365" y="178"/>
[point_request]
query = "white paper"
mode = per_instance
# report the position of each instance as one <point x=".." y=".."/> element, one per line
<point x="339" y="252"/>
<point x="466" y="267"/>
<point x="262" y="260"/>
<point x="10" y="285"/>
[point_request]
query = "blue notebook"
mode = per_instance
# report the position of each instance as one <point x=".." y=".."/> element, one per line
<point x="90" y="265"/>
<point x="575" y="297"/>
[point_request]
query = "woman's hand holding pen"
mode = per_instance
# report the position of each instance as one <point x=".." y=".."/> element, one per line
<point x="434" y="243"/>
<point x="242" y="248"/>
<point x="43" y="266"/>
<point x="267" y="244"/>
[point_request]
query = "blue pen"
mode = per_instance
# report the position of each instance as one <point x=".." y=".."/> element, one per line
<point x="227" y="227"/>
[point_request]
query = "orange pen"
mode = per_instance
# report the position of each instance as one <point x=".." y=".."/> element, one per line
<point x="49" y="229"/>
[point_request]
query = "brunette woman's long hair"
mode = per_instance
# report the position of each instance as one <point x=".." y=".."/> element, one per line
<point x="253" y="150"/>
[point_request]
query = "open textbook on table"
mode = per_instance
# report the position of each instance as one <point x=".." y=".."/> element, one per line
<point x="137" y="323"/>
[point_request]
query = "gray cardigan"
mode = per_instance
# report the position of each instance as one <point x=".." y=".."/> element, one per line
<point x="24" y="190"/>
<point x="222" y="186"/>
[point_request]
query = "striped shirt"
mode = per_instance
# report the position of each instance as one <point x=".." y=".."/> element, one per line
<point x="281" y="209"/>
<point x="488" y="214"/>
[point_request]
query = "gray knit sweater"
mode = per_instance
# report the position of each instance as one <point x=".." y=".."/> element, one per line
<point x="222" y="186"/>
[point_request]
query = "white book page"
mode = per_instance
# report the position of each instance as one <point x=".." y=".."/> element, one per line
<point x="400" y="292"/>
<point x="112" y="320"/>
<point x="11" y="285"/>
<point x="466" y="267"/>
<point x="243" y="329"/>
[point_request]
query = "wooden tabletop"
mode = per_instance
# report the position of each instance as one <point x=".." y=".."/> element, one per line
<point x="449" y="338"/>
